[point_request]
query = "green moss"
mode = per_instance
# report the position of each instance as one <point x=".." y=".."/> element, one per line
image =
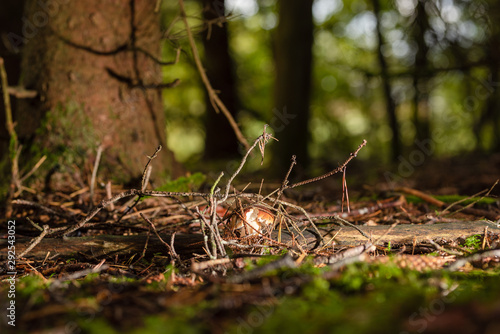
<point x="474" y="242"/>
<point x="96" y="326"/>
<point x="450" y="199"/>
<point x="370" y="299"/>
<point x="28" y="286"/>
<point x="67" y="135"/>
<point x="184" y="183"/>
<point x="181" y="324"/>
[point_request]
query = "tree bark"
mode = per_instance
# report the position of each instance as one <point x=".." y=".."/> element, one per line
<point x="220" y="139"/>
<point x="93" y="65"/>
<point x="293" y="61"/>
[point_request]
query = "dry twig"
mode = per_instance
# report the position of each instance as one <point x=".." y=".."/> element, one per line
<point x="214" y="98"/>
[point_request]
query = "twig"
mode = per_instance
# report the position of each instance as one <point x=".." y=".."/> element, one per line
<point x="199" y="266"/>
<point x="144" y="176"/>
<point x="336" y="217"/>
<point x="35" y="241"/>
<point x="14" y="144"/>
<point x="305" y="214"/>
<point x="285" y="262"/>
<point x="94" y="173"/>
<point x="14" y="147"/>
<point x="350" y="252"/>
<point x="41" y="207"/>
<point x="205" y="237"/>
<point x="144" y="182"/>
<point x="20" y="92"/>
<point x="477" y="212"/>
<point x="35" y="225"/>
<point x="467" y="208"/>
<point x="128" y="193"/>
<point x="334" y="267"/>
<point x="147" y="175"/>
<point x="212" y="189"/>
<point x="234" y="243"/>
<point x="172" y="248"/>
<point x="172" y="254"/>
<point x="445" y="210"/>
<point x="78" y="274"/>
<point x="485" y="238"/>
<point x="215" y="225"/>
<point x="214" y="229"/>
<point x="476" y="257"/>
<point x="34" y="169"/>
<point x="109" y="194"/>
<point x="345" y="192"/>
<point x="8" y="110"/>
<point x="261" y="140"/>
<point x="335" y="171"/>
<point x="359" y="212"/>
<point x="389" y="230"/>
<point x="330" y="241"/>
<point x="214" y="98"/>
<point x="442" y="249"/>
<point x="285" y="180"/>
<point x="145" y="247"/>
<point x="348" y="223"/>
<point x="423" y="196"/>
<point x="99" y="265"/>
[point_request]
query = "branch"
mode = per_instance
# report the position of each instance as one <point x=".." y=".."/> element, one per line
<point x="214" y="98"/>
<point x="335" y="171"/>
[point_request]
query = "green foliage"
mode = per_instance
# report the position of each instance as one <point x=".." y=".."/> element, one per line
<point x="347" y="99"/>
<point x="474" y="242"/>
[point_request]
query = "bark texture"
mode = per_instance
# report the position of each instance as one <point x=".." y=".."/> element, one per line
<point x="92" y="63"/>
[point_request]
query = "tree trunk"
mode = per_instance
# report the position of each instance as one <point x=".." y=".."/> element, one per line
<point x="488" y="123"/>
<point x="386" y="84"/>
<point x="421" y="112"/>
<point x="220" y="139"/>
<point x="93" y="65"/>
<point x="293" y="58"/>
<point x="10" y="25"/>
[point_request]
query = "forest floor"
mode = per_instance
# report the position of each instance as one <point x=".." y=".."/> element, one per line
<point x="421" y="256"/>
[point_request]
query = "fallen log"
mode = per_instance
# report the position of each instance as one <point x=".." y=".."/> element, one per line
<point x="408" y="233"/>
<point x="108" y="245"/>
<point x="186" y="245"/>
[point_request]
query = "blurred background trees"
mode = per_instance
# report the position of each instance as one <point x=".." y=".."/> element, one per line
<point x="403" y="74"/>
<point x="406" y="75"/>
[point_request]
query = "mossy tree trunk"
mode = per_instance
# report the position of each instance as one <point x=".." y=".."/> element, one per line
<point x="94" y="65"/>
